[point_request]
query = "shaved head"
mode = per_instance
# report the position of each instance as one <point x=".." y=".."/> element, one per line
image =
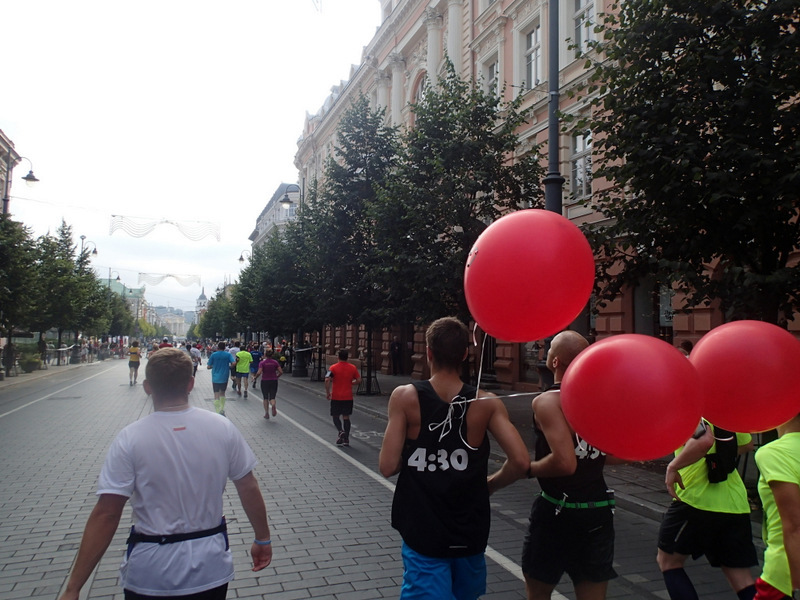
<point x="565" y="347"/>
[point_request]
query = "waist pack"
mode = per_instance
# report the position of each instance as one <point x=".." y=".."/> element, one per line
<point x="172" y="538"/>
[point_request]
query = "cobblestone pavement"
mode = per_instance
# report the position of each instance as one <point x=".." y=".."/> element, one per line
<point x="328" y="507"/>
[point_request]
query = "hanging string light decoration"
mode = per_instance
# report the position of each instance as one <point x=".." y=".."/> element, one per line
<point x="156" y="278"/>
<point x="193" y="230"/>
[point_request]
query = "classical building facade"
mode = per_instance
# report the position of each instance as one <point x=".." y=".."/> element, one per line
<point x="279" y="210"/>
<point x="503" y="45"/>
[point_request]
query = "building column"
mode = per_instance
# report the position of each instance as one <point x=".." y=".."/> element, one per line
<point x="398" y="77"/>
<point x="433" y="21"/>
<point x="455" y="20"/>
<point x="382" y="83"/>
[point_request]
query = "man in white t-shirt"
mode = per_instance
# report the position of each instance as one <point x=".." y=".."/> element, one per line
<point x="173" y="466"/>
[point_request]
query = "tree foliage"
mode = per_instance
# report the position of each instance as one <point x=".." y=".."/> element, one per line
<point x="460" y="169"/>
<point x="17" y="279"/>
<point x="697" y="123"/>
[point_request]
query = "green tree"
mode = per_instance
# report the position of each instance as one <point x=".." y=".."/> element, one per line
<point x="121" y="321"/>
<point x="60" y="298"/>
<point x="218" y="320"/>
<point x="697" y="125"/>
<point x="341" y="219"/>
<point x="18" y="283"/>
<point x="460" y="169"/>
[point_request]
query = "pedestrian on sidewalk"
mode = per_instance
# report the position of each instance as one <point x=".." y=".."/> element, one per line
<point x="269" y="370"/>
<point x="134" y="360"/>
<point x="436" y="438"/>
<point x="709" y="513"/>
<point x="571" y="525"/>
<point x="220" y="363"/>
<point x="396" y="351"/>
<point x="779" y="488"/>
<point x="173" y="465"/>
<point x="339" y="382"/>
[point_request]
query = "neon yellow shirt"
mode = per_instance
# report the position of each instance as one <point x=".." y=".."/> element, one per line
<point x="245" y="358"/>
<point x="777" y="461"/>
<point x="729" y="496"/>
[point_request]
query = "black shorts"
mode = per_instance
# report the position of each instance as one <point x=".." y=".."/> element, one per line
<point x="269" y="388"/>
<point x="220" y="387"/>
<point x="578" y="541"/>
<point x="133" y="364"/>
<point x="341" y="407"/>
<point x="726" y="539"/>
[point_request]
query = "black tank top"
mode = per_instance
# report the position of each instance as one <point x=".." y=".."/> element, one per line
<point x="441" y="501"/>
<point x="587" y="483"/>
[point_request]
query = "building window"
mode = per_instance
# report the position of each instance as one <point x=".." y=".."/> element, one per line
<point x="422" y="87"/>
<point x="581" y="166"/>
<point x="533" y="57"/>
<point x="491" y="76"/>
<point x="584" y="25"/>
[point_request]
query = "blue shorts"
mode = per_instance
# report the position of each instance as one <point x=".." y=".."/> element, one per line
<point x="427" y="578"/>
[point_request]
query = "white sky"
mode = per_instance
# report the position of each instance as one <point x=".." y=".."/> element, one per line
<point x="187" y="110"/>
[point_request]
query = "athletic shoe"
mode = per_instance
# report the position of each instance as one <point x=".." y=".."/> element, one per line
<point x="274" y="410"/>
<point x="245" y="393"/>
<point x="238" y="393"/>
<point x="131" y="383"/>
<point x="266" y="416"/>
<point x="340" y="439"/>
<point x="346" y="441"/>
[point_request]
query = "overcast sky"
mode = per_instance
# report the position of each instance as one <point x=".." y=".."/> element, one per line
<point x="186" y="110"/>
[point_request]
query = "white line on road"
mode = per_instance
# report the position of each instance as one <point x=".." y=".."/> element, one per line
<point x="502" y="560"/>
<point x="59" y="391"/>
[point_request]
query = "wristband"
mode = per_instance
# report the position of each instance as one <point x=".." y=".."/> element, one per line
<point x="262" y="543"/>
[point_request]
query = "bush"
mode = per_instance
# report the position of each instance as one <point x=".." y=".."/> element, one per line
<point x="29" y="362"/>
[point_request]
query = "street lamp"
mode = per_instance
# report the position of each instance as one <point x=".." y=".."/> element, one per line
<point x="286" y="202"/>
<point x="30" y="179"/>
<point x="109" y="278"/>
<point x="84" y="242"/>
<point x="241" y="256"/>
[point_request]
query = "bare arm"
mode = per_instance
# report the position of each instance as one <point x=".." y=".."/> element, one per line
<point x="694" y="450"/>
<point x="562" y="460"/>
<point x="389" y="461"/>
<point x="97" y="535"/>
<point x="517" y="458"/>
<point x="256" y="511"/>
<point x="787" y="499"/>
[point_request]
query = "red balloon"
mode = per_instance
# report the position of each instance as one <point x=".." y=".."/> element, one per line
<point x="528" y="275"/>
<point x="632" y="396"/>
<point x="750" y="371"/>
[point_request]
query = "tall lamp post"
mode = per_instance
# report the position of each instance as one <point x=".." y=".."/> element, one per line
<point x="85" y="244"/>
<point x="299" y="368"/>
<point x="29" y="179"/>
<point x="242" y="258"/>
<point x="553" y="181"/>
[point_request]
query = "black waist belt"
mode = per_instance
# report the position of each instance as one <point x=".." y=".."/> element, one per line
<point x="565" y="504"/>
<point x="171" y="538"/>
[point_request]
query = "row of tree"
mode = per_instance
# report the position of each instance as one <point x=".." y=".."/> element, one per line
<point x="384" y="238"/>
<point x="693" y="109"/>
<point x="48" y="283"/>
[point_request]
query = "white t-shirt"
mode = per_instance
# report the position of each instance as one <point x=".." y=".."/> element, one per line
<point x="148" y="462"/>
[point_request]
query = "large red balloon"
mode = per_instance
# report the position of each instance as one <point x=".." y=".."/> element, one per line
<point x="528" y="275"/>
<point x="632" y="396"/>
<point x="750" y="371"/>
